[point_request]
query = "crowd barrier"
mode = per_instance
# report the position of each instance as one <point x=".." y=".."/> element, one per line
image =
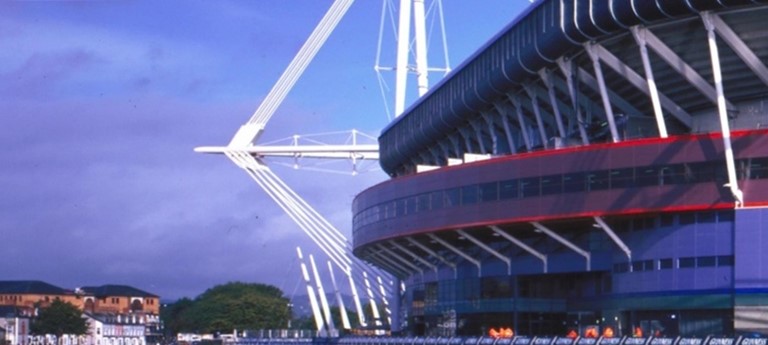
<point x="517" y="340"/>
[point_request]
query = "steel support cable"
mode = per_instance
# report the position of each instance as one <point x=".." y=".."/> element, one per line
<point x="372" y="301"/>
<point x="298" y="65"/>
<point x="300" y="62"/>
<point x="272" y="193"/>
<point x="312" y="213"/>
<point x="384" y="301"/>
<point x="289" y="206"/>
<point x="343" y="245"/>
<point x="300" y="209"/>
<point x="341" y="239"/>
<point x="310" y="223"/>
<point x="303" y="58"/>
<point x="252" y="170"/>
<point x="326" y="244"/>
<point x="346" y="269"/>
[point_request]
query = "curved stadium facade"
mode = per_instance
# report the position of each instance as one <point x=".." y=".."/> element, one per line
<point x="597" y="163"/>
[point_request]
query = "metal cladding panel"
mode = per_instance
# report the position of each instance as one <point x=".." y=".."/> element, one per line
<point x="648" y="10"/>
<point x="672" y="8"/>
<point x="544" y="33"/>
<point x="568" y="26"/>
<point x="603" y="19"/>
<point x="583" y="20"/>
<point x="703" y="5"/>
<point x="528" y="58"/>
<point x="623" y="12"/>
<point x="598" y="157"/>
<point x="551" y="42"/>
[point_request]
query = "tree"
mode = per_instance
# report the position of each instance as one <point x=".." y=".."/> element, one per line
<point x="59" y="318"/>
<point x="175" y="318"/>
<point x="237" y="305"/>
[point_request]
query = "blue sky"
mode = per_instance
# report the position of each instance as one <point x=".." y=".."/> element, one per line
<point x="102" y="103"/>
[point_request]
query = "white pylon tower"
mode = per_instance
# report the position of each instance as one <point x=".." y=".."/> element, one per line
<point x="246" y="154"/>
<point x="411" y="45"/>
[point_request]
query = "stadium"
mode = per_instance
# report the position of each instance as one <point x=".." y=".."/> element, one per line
<point x="596" y="165"/>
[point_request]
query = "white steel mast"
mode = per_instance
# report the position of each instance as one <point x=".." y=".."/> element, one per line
<point x="243" y="151"/>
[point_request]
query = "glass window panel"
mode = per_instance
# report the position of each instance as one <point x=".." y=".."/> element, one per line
<point x="451" y="197"/>
<point x="400" y="207"/>
<point x="597" y="180"/>
<point x="622" y="178"/>
<point x="686" y="262"/>
<point x="648" y="265"/>
<point x="665" y="264"/>
<point x="647" y="176"/>
<point x="673" y="174"/>
<point x="390" y="209"/>
<point x="701" y="172"/>
<point x="469" y="194"/>
<point x="758" y="168"/>
<point x="437" y="200"/>
<point x="423" y="202"/>
<point x="529" y="187"/>
<point x="725" y="216"/>
<point x="667" y="219"/>
<point x="489" y="191"/>
<point x="551" y="184"/>
<point x="687" y="218"/>
<point x="706" y="261"/>
<point x="721" y="172"/>
<point x="706" y="217"/>
<point x="725" y="260"/>
<point x="508" y="189"/>
<point x="410" y="204"/>
<point x="621" y="267"/>
<point x="573" y="183"/>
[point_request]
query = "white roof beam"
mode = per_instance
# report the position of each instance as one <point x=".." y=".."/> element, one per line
<point x="458" y="252"/>
<point x="487" y="248"/>
<point x="546" y="78"/>
<point x="682" y="67"/>
<point x="521" y="244"/>
<point x="491" y="132"/>
<point x="643" y="85"/>
<point x="521" y="120"/>
<point x="566" y="67"/>
<point x="388" y="262"/>
<point x="503" y="110"/>
<point x="478" y="128"/>
<point x="592" y="52"/>
<point x="725" y="128"/>
<point x="608" y="231"/>
<point x="399" y="258"/>
<point x="565" y="242"/>
<point x="653" y="91"/>
<point x="413" y="255"/>
<point x="737" y="44"/>
<point x="537" y="113"/>
<point x="614" y="98"/>
<point x="434" y="254"/>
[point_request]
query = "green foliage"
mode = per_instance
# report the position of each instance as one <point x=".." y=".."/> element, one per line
<point x="59" y="318"/>
<point x="174" y="316"/>
<point x="224" y="308"/>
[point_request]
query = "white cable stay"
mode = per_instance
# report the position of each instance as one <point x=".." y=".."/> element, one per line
<point x="327" y="237"/>
<point x="242" y="151"/>
<point x="249" y="132"/>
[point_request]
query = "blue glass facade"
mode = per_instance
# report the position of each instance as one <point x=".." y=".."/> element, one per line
<point x="579" y="213"/>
